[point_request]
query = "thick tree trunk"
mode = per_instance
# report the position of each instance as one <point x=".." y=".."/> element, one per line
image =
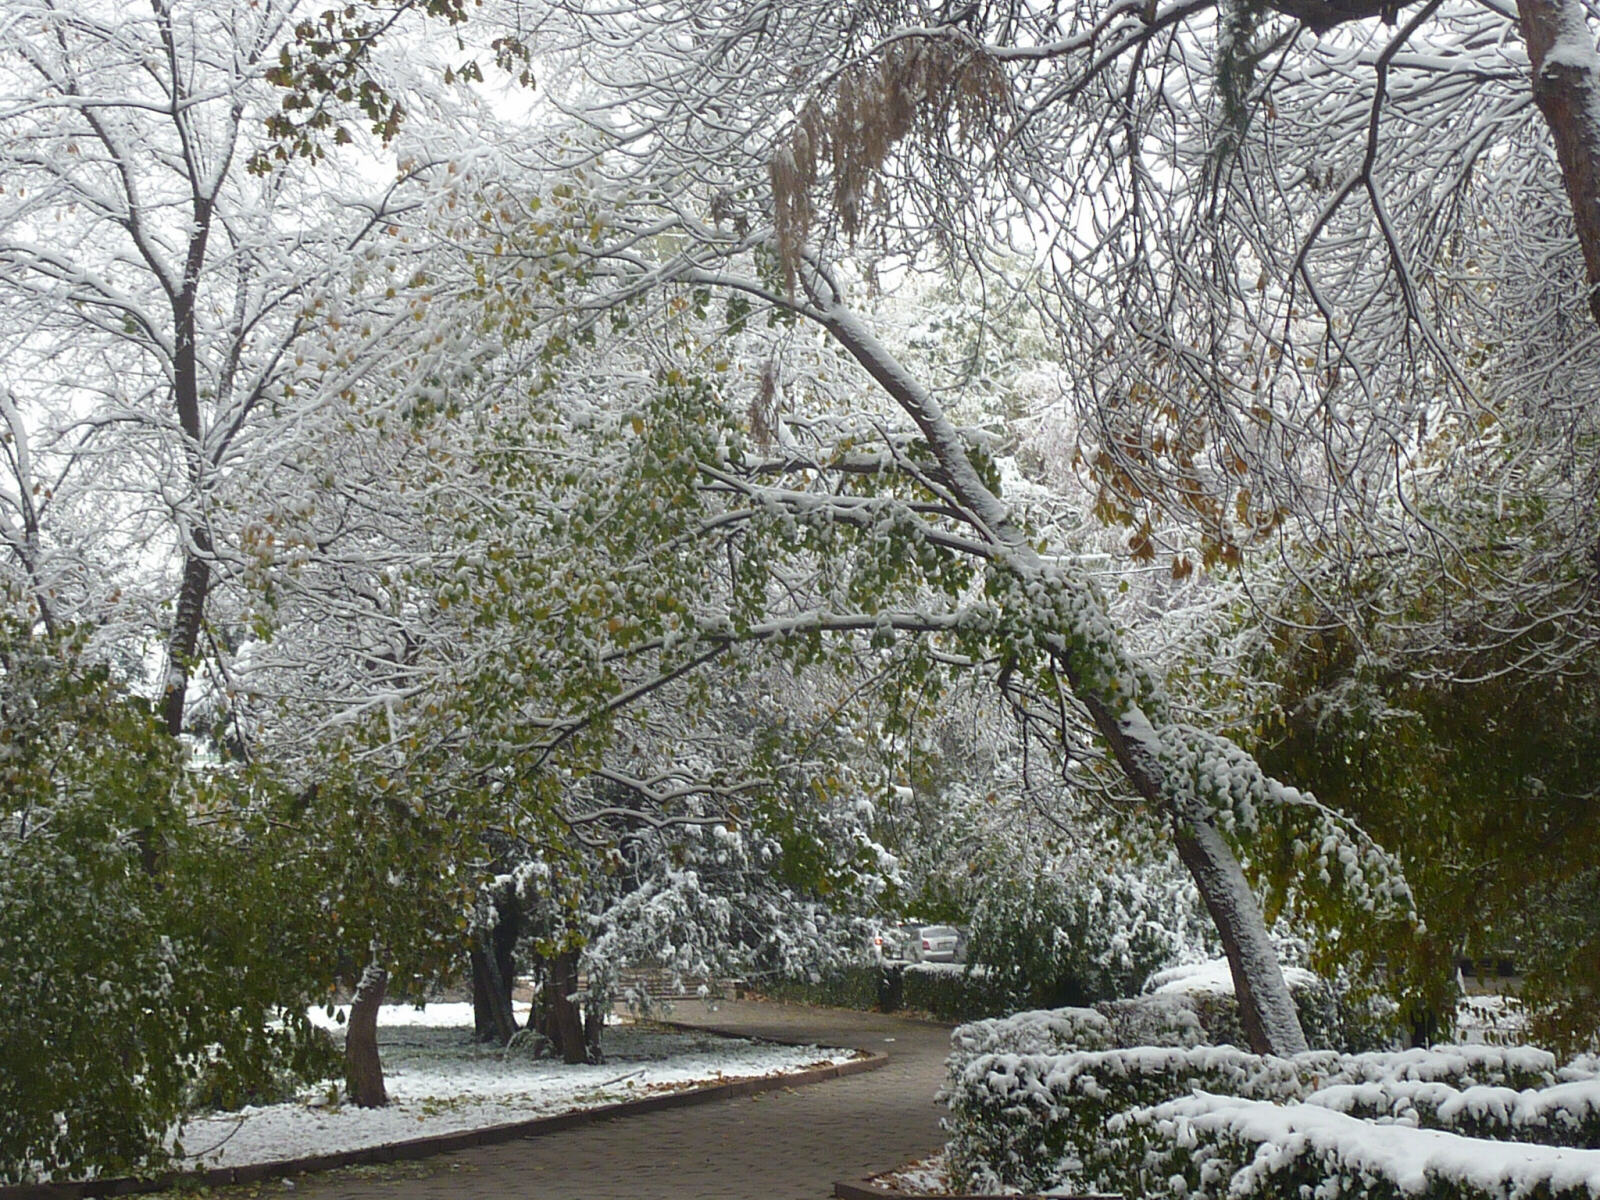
<point x="562" y="1019"/>
<point x="1566" y="87"/>
<point x="1266" y="1007"/>
<point x="1070" y="618"/>
<point x="363" y="1068"/>
<point x="493" y="966"/>
<point x="483" y="1023"/>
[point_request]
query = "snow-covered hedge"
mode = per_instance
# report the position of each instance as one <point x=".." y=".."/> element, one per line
<point x="1204" y="1146"/>
<point x="1044" y="1098"/>
<point x="1027" y="1121"/>
<point x="1046" y="1031"/>
<point x="1565" y="1115"/>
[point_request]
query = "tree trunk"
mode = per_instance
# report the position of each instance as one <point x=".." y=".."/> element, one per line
<point x="563" y="1019"/>
<point x="363" y="1068"/>
<point x="185" y="637"/>
<point x="594" y="1025"/>
<point x="493" y="967"/>
<point x="483" y="1017"/>
<point x="493" y="954"/>
<point x="189" y="611"/>
<point x="1566" y="87"/>
<point x="1266" y="1006"/>
<point x="493" y="1019"/>
<point x="1070" y="619"/>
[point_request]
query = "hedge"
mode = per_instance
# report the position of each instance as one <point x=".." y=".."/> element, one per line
<point x="1209" y="1148"/>
<point x="944" y="990"/>
<point x="1049" y="1098"/>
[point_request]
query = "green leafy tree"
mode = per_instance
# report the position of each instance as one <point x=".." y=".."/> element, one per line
<point x="1485" y="790"/>
<point x="149" y="940"/>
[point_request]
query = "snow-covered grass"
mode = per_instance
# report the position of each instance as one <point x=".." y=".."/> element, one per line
<point x="440" y="1081"/>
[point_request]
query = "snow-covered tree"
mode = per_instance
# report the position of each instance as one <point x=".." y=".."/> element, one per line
<point x="1265" y="284"/>
<point x="183" y="314"/>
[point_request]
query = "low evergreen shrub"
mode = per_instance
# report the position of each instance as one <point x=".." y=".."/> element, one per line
<point x="1206" y="1147"/>
<point x="1045" y="1099"/>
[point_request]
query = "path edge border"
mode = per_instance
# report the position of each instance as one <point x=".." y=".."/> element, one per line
<point x="443" y="1143"/>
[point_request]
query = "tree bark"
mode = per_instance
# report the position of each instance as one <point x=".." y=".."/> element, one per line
<point x="562" y="1020"/>
<point x="1121" y="697"/>
<point x="189" y="612"/>
<point x="1566" y="87"/>
<point x="185" y="637"/>
<point x="362" y="1066"/>
<point x="594" y="1025"/>
<point x="493" y="967"/>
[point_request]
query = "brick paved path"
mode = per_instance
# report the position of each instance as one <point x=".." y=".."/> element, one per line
<point x="782" y="1145"/>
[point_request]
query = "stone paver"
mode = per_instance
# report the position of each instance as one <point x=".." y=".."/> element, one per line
<point x="790" y="1144"/>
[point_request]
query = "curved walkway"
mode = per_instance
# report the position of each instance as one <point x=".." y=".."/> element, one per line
<point x="790" y="1144"/>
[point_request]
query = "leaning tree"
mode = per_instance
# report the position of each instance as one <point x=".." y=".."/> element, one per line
<point x="1275" y="244"/>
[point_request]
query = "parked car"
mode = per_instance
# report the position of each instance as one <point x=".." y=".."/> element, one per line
<point x="931" y="943"/>
<point x="892" y="943"/>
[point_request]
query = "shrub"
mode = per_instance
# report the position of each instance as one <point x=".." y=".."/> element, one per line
<point x="1210" y="1146"/>
<point x="945" y="990"/>
<point x="1331" y="1015"/>
<point x="1567" y="1114"/>
<point x="1048" y="1031"/>
<point x="141" y="947"/>
<point x="1040" y="1099"/>
<point x="1026" y="1121"/>
<point x="949" y="991"/>
<point x="859" y="986"/>
<point x="1080" y="933"/>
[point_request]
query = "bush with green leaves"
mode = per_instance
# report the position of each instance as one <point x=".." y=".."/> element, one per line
<point x="1023" y="1121"/>
<point x="1567" y="1114"/>
<point x="1046" y="1098"/>
<point x="943" y="990"/>
<point x="949" y="992"/>
<point x="147" y="942"/>
<point x="1334" y="1015"/>
<point x="859" y="986"/>
<point x="1079" y="931"/>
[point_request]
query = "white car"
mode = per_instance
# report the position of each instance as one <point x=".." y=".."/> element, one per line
<point x="931" y="943"/>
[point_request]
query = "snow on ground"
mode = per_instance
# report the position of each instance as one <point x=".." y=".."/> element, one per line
<point x="926" y="1177"/>
<point x="440" y="1081"/>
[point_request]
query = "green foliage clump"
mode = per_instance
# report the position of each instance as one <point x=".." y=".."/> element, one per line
<point x="146" y="941"/>
<point x="1484" y="790"/>
<point x="1203" y="1147"/>
<point x="1078" y="935"/>
<point x="859" y="986"/>
<point x="951" y="995"/>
